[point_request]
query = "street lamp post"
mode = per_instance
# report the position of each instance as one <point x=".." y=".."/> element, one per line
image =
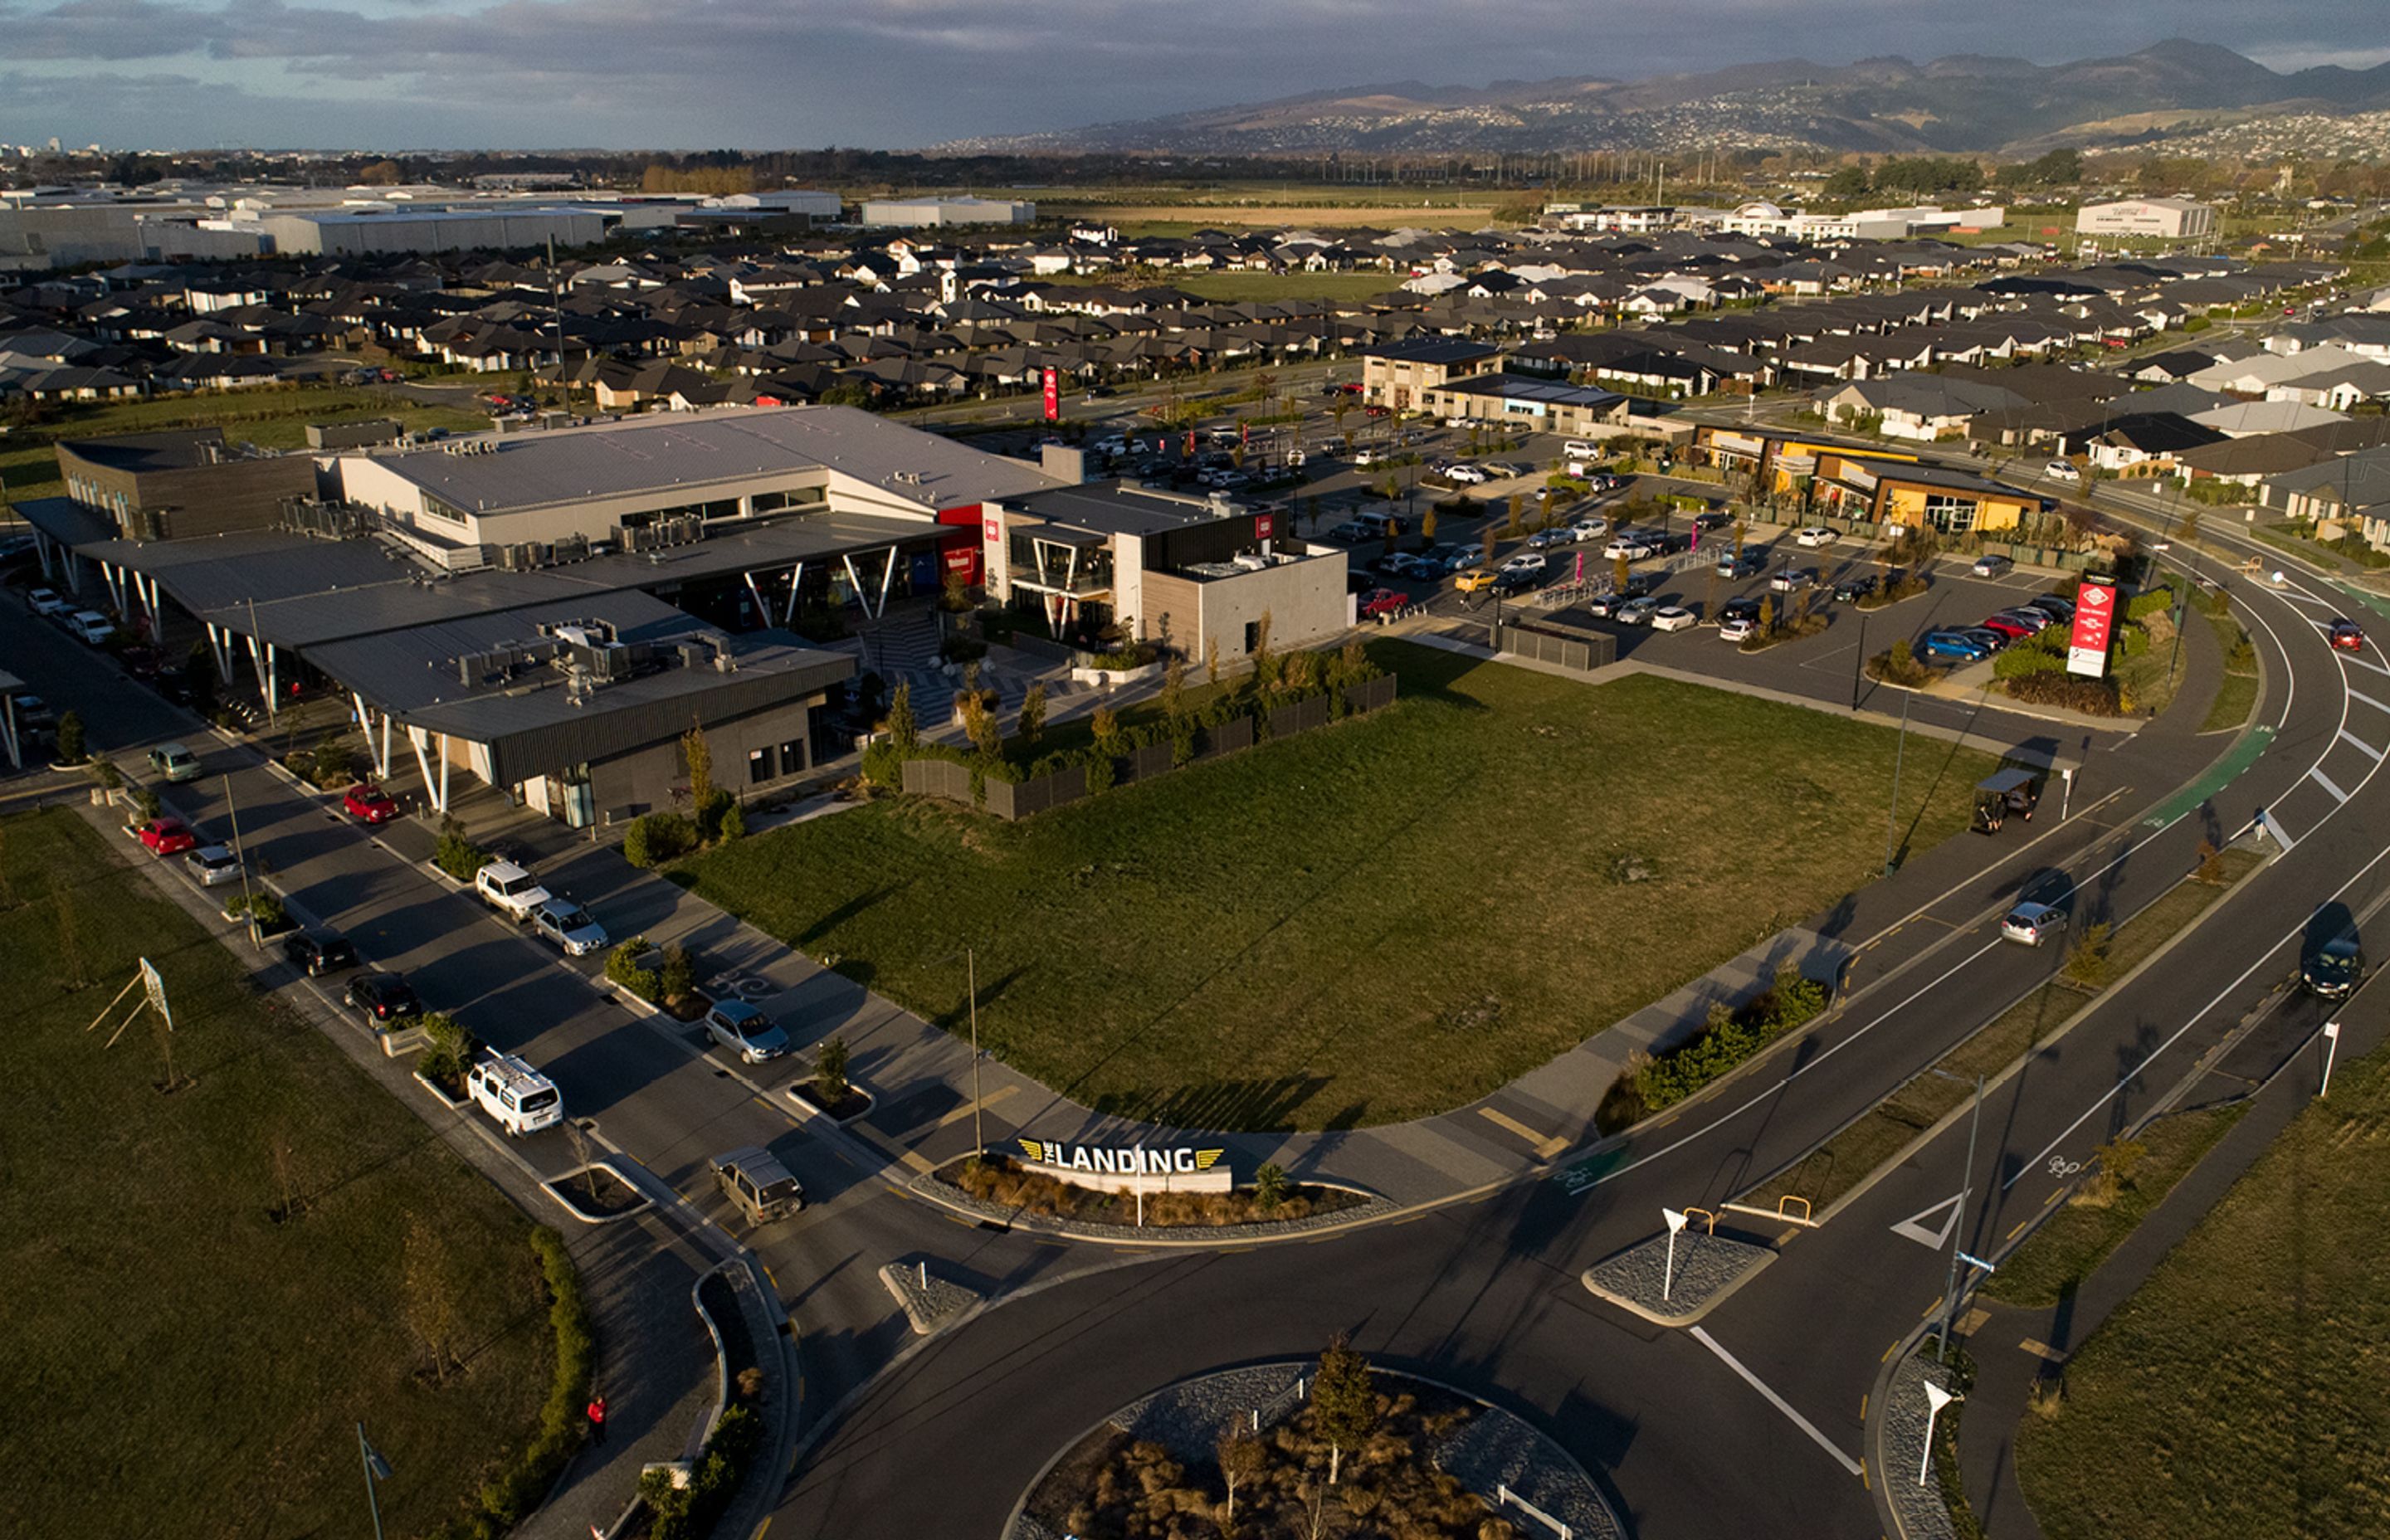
<point x="971" y="966"/>
<point x="1858" y="664"/>
<point x="2331" y="1051"/>
<point x="1958" y="1221"/>
<point x="376" y="1469"/>
<point x="1900" y="756"/>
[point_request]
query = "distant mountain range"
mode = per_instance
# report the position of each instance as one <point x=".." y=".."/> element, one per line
<point x="1971" y="103"/>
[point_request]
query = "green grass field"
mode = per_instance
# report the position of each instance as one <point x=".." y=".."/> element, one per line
<point x="272" y="417"/>
<point x="1261" y="288"/>
<point x="178" y="1350"/>
<point x="2238" y="1396"/>
<point x="1376" y="921"/>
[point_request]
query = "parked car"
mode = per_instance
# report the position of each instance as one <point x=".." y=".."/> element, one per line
<point x="1512" y="580"/>
<point x="746" y="1032"/>
<point x="509" y="889"/>
<point x="757" y="1184"/>
<point x="1579" y="449"/>
<point x="2035" y="620"/>
<point x="1857" y="587"/>
<point x="1738" y="628"/>
<point x="165" y="836"/>
<point x="1792" y="580"/>
<point x="1952" y="647"/>
<point x="1479" y="581"/>
<point x="90" y="627"/>
<point x="1365" y="457"/>
<point x="2058" y="608"/>
<point x="1673" y="617"/>
<point x="173" y="762"/>
<point x="2347" y="636"/>
<point x="33" y="715"/>
<point x="1544" y="540"/>
<point x="1467" y="475"/>
<point x="2033" y="923"/>
<point x="1992" y="566"/>
<point x="369" y="804"/>
<point x="1526" y="562"/>
<point x="1586" y="530"/>
<point x="44" y="601"/>
<point x="1383" y="601"/>
<point x="315" y="953"/>
<point x="2062" y="470"/>
<point x="1714" y="520"/>
<point x="1815" y="536"/>
<point x="1985" y="636"/>
<point x="383" y="997"/>
<point x="1637" y="612"/>
<point x="521" y="1099"/>
<point x="1747" y="610"/>
<point x="1632" y="544"/>
<point x="1501" y="470"/>
<point x="210" y="865"/>
<point x="570" y="926"/>
<point x="2015" y="631"/>
<point x="1733" y="566"/>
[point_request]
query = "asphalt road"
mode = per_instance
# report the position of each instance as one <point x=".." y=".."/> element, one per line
<point x="1485" y="1296"/>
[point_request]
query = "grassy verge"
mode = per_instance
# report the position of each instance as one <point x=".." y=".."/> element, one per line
<point x="2237" y="696"/>
<point x="271" y="416"/>
<point x="1380" y="920"/>
<point x="2071" y="1243"/>
<point x="212" y="1285"/>
<point x="2353" y="549"/>
<point x="2238" y="1396"/>
<point x="1847" y="1160"/>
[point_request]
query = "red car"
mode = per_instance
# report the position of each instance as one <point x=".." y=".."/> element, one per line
<point x="2012" y="630"/>
<point x="168" y="836"/>
<point x="369" y="803"/>
<point x="1376" y="412"/>
<point x="1383" y="601"/>
<point x="2347" y="636"/>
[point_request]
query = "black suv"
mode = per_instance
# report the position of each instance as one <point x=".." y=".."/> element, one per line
<point x="315" y="953"/>
<point x="1857" y="587"/>
<point x="2335" y="968"/>
<point x="382" y="996"/>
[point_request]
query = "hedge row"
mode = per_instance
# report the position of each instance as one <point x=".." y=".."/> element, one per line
<point x="2093" y="697"/>
<point x="1730" y="1037"/>
<point x="510" y="1496"/>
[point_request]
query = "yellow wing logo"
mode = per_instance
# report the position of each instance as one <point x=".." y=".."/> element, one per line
<point x="1035" y="1149"/>
<point x="1206" y="1159"/>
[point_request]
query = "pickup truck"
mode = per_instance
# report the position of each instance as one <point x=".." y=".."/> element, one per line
<point x="509" y="889"/>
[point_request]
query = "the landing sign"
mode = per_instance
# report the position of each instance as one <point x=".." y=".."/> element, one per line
<point x="2095" y="623"/>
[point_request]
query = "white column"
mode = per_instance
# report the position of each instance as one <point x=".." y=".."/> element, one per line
<point x="796" y="575"/>
<point x="8" y="732"/>
<point x="887" y="576"/>
<point x="260" y="659"/>
<point x="220" y="643"/>
<point x="432" y="786"/>
<point x="762" y="610"/>
<point x="42" y="549"/>
<point x="383" y="759"/>
<point x="443" y="772"/>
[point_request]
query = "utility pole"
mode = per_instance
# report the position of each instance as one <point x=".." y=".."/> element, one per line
<point x="1958" y="1220"/>
<point x="240" y="859"/>
<point x="971" y="964"/>
<point x="1900" y="755"/>
<point x="1858" y="664"/>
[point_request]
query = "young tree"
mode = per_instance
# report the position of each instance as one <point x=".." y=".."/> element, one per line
<point x="1516" y="522"/>
<point x="1211" y="659"/>
<point x="1343" y="1402"/>
<point x="1492" y="536"/>
<point x="429" y="1297"/>
<point x="831" y="1086"/>
<point x="1174" y="688"/>
<point x="71" y="738"/>
<point x="1427" y="523"/>
<point x="902" y="727"/>
<point x="1265" y="666"/>
<point x="1105" y="725"/>
<point x="699" y="755"/>
<point x="979" y="725"/>
<point x="1033" y="712"/>
<point x="1243" y="1461"/>
<point x="1269" y="1187"/>
<point x="1619" y="571"/>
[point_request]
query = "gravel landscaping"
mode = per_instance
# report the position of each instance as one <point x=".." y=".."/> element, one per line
<point x="1707" y="1268"/>
<point x="1923" y="1513"/>
<point x="1494" y="1451"/>
<point x="929" y="1300"/>
<point x="1187" y="1417"/>
<point x="1211" y="1235"/>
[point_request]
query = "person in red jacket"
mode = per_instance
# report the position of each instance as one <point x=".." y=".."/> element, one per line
<point x="596" y="1418"/>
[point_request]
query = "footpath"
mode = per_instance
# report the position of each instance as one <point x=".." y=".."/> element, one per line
<point x="2016" y="1350"/>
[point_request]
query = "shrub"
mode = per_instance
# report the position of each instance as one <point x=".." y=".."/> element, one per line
<point x="1269" y="1187"/>
<point x="627" y="965"/>
<point x="2093" y="697"/>
<point x="456" y="855"/>
<point x="2088" y="964"/>
<point x="71" y="738"/>
<point x="678" y="976"/>
<point x="144" y="805"/>
<point x="691" y="1512"/>
<point x="733" y="821"/>
<point x="264" y="908"/>
<point x="1728" y="1038"/>
<point x="2045" y="653"/>
<point x="711" y="811"/>
<point x="329" y="766"/>
<point x="829" y="1073"/>
<point x="655" y="838"/>
<point x="449" y="1049"/>
<point x="883" y="769"/>
<point x="508" y="1497"/>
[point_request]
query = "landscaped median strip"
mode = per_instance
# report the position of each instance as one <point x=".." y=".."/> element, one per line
<point x="1838" y="1169"/>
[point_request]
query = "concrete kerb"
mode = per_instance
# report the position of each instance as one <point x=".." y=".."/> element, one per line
<point x="1880" y="1405"/>
<point x="2014" y="1067"/>
<point x="1749" y="1266"/>
<point x="928" y="1186"/>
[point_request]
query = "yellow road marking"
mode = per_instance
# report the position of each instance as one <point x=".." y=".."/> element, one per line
<point x="1863" y="1400"/>
<point x="966" y="1108"/>
<point x="1544" y="1148"/>
<point x="1888" y="1353"/>
<point x="767" y="1518"/>
<point x="2054" y="1198"/>
<point x="2020" y="1224"/>
<point x="1930" y="1306"/>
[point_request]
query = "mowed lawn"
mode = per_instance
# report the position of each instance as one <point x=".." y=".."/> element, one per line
<point x="175" y="1359"/>
<point x="269" y="417"/>
<point x="1375" y="921"/>
<point x="2238" y="1394"/>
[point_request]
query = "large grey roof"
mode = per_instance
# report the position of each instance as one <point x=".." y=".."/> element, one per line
<point x="698" y="449"/>
<point x="308" y="592"/>
<point x="1114" y="507"/>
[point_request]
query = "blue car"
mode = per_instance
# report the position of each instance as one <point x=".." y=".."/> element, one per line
<point x="1954" y="647"/>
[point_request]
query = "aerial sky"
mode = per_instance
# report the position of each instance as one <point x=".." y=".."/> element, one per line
<point x="760" y="74"/>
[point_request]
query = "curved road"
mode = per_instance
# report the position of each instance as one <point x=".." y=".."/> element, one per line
<point x="1488" y="1295"/>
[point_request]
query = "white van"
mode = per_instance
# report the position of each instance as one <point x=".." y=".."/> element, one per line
<point x="91" y="626"/>
<point x="1577" y="449"/>
<point x="520" y="1098"/>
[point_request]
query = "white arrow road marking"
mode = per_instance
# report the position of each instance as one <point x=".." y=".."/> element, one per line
<point x="1933" y="1240"/>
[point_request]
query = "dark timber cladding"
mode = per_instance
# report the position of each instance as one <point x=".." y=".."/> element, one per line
<point x="170" y="486"/>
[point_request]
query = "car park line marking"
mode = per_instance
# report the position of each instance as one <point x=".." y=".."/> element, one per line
<point x="2369" y="701"/>
<point x="2190" y="1021"/>
<point x="2315" y="774"/>
<point x="966" y="1108"/>
<point x="1545" y="1148"/>
<point x="1731" y="1361"/>
<point x="2362" y="747"/>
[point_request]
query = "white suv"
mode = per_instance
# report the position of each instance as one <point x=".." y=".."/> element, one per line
<point x="521" y="1099"/>
<point x="509" y="889"/>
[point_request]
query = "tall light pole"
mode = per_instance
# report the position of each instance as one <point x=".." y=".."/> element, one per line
<point x="376" y="1469"/>
<point x="2331" y="1051"/>
<point x="1900" y="756"/>
<point x="232" y="811"/>
<point x="1959" y="1220"/>
<point x="971" y="964"/>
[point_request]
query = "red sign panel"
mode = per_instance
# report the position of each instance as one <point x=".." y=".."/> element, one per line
<point x="1053" y="396"/>
<point x="2095" y="622"/>
<point x="1263" y="524"/>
